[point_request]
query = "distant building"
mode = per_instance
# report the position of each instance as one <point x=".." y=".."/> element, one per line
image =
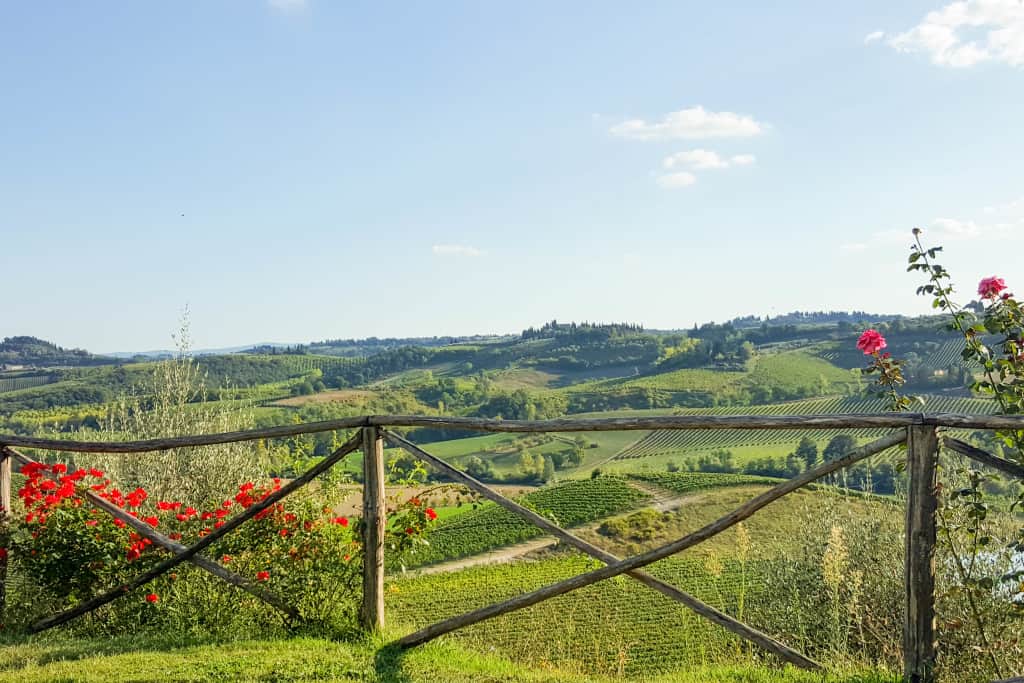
<point x="6" y="367"/>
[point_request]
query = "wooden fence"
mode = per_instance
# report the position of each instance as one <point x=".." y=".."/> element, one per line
<point x="920" y="433"/>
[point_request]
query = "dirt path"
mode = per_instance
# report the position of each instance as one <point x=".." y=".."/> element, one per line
<point x="662" y="500"/>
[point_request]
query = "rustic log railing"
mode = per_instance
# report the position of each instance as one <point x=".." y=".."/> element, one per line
<point x="919" y="433"/>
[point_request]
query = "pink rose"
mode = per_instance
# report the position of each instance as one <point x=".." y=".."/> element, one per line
<point x="871" y="342"/>
<point x="990" y="287"/>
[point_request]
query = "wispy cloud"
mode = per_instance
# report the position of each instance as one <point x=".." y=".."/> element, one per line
<point x="677" y="180"/>
<point x="873" y="37"/>
<point x="968" y="32"/>
<point x="287" y="5"/>
<point x="456" y="250"/>
<point x="941" y="230"/>
<point x="697" y="160"/>
<point x="694" y="123"/>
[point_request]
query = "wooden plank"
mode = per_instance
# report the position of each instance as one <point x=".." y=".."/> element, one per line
<point x="5" y="517"/>
<point x="830" y="421"/>
<point x="669" y="422"/>
<point x="984" y="457"/>
<point x="211" y="538"/>
<point x="165" y="444"/>
<point x="374" y="522"/>
<point x="738" y="515"/>
<point x="166" y="543"/>
<point x="724" y="620"/>
<point x="919" y="649"/>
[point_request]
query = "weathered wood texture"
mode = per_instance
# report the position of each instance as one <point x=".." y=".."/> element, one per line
<point x="166" y="444"/>
<point x="831" y="421"/>
<point x="211" y="538"/>
<point x="763" y="640"/>
<point x="374" y="521"/>
<point x="166" y="543"/>
<point x="738" y="515"/>
<point x="985" y="458"/>
<point x="5" y="514"/>
<point x="919" y="573"/>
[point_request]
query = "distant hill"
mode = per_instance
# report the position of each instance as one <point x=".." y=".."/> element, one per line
<point x="32" y="351"/>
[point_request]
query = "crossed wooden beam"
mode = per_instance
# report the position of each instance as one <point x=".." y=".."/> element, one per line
<point x="631" y="567"/>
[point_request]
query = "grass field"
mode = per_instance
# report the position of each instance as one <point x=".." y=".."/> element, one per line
<point x="136" y="660"/>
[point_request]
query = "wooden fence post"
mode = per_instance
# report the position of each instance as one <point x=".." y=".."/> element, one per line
<point x="919" y="568"/>
<point x="374" y="521"/>
<point x="5" y="514"/>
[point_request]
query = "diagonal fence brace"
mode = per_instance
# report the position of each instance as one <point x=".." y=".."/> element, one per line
<point x="984" y="457"/>
<point x="192" y="550"/>
<point x="166" y="543"/>
<point x="582" y="580"/>
<point x="707" y="611"/>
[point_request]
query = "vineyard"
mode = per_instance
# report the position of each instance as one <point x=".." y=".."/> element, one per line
<point x="662" y="442"/>
<point x="488" y="527"/>
<point x="23" y="382"/>
<point x="687" y="482"/>
<point x="947" y="355"/>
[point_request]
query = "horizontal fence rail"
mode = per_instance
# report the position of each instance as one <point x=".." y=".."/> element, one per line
<point x="827" y="421"/>
<point x="918" y="432"/>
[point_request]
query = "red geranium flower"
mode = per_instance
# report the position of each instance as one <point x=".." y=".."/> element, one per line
<point x="152" y="598"/>
<point x="431" y="514"/>
<point x="262" y="576"/>
<point x="59" y="468"/>
<point x="871" y="342"/>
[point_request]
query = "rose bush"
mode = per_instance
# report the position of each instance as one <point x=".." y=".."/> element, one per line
<point x="981" y="584"/>
<point x="299" y="549"/>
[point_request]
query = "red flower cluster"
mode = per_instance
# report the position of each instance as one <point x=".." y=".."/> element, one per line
<point x="871" y="342"/>
<point x="431" y="515"/>
<point x="41" y="493"/>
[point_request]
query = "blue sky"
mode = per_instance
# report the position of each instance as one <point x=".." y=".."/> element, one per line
<point x="305" y="170"/>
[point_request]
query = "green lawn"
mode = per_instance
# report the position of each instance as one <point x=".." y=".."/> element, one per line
<point x="48" y="659"/>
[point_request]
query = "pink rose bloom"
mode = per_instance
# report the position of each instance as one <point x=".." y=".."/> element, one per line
<point x="871" y="342"/>
<point x="990" y="287"/>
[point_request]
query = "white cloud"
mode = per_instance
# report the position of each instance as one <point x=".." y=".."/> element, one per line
<point x="695" y="123"/>
<point x="968" y="32"/>
<point x="696" y="159"/>
<point x="287" y="5"/>
<point x="939" y="231"/>
<point x="873" y="37"/>
<point x="456" y="250"/>
<point x="677" y="180"/>
<point x="703" y="159"/>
